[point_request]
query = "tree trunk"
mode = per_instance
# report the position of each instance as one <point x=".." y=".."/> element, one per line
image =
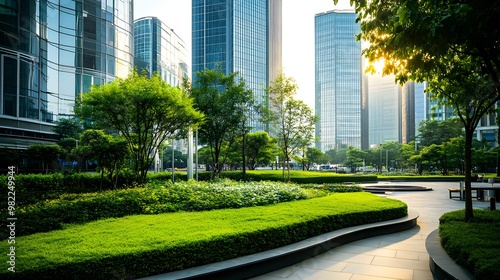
<point x="244" y="158"/>
<point x="469" y="215"/>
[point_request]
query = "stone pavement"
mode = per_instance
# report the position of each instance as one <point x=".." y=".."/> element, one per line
<point x="401" y="255"/>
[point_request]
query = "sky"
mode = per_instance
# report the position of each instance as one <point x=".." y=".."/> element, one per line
<point x="298" y="33"/>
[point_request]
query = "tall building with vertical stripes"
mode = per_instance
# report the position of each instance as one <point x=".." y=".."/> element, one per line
<point x="242" y="36"/>
<point x="339" y="100"/>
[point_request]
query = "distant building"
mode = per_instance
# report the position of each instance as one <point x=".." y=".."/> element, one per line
<point x="51" y="51"/>
<point x="339" y="99"/>
<point x="158" y="49"/>
<point x="243" y="36"/>
<point x="385" y="109"/>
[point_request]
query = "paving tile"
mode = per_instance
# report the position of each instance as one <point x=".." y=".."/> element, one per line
<point x="411" y="255"/>
<point x="366" y="277"/>
<point x="280" y="273"/>
<point x="320" y="264"/>
<point x="365" y="250"/>
<point x="422" y="275"/>
<point x="401" y="263"/>
<point x="379" y="271"/>
<point x="313" y="274"/>
<point x="346" y="257"/>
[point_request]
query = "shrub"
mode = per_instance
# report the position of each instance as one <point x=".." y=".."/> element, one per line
<point x="183" y="196"/>
<point x="473" y="244"/>
<point x="139" y="246"/>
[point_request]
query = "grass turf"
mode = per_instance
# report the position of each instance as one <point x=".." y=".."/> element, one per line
<point x="107" y="244"/>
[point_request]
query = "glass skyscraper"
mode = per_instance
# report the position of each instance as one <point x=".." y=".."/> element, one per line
<point x="338" y="74"/>
<point x="157" y="48"/>
<point x="239" y="36"/>
<point x="51" y="51"/>
<point x="385" y="106"/>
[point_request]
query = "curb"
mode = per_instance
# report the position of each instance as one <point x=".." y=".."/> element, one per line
<point x="441" y="265"/>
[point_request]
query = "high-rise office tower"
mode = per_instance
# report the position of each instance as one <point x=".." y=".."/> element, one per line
<point x="243" y="36"/>
<point x="51" y="51"/>
<point x="339" y="101"/>
<point x="158" y="49"/>
<point x="384" y="102"/>
<point x="413" y="102"/>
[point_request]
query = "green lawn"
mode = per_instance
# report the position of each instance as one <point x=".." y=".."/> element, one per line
<point x="143" y="245"/>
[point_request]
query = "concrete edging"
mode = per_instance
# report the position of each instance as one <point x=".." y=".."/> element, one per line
<point x="264" y="262"/>
<point x="441" y="265"/>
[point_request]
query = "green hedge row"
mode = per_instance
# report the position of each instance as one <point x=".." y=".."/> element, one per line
<point x="144" y="245"/>
<point x="183" y="196"/>
<point x="32" y="188"/>
<point x="300" y="177"/>
<point x="475" y="244"/>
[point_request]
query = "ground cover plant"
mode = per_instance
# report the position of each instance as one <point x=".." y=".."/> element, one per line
<point x="474" y="245"/>
<point x="142" y="245"/>
<point x="72" y="208"/>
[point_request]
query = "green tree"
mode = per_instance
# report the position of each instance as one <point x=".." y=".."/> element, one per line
<point x="354" y="158"/>
<point x="260" y="149"/>
<point x="315" y="155"/>
<point x="453" y="45"/>
<point x="437" y="132"/>
<point x="145" y="111"/>
<point x="68" y="128"/>
<point x="224" y="101"/>
<point x="291" y="120"/>
<point x="46" y="154"/>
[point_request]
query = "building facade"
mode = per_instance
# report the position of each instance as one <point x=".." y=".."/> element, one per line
<point x="50" y="52"/>
<point x="385" y="103"/>
<point x="242" y="36"/>
<point x="339" y="101"/>
<point x="158" y="49"/>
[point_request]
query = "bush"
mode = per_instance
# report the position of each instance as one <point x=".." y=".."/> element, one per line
<point x="32" y="188"/>
<point x="183" y="196"/>
<point x="473" y="245"/>
<point x="139" y="246"/>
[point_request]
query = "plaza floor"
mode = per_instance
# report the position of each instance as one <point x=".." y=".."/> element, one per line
<point x="401" y="255"/>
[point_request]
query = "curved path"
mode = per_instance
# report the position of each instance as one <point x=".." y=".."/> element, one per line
<point x="401" y="255"/>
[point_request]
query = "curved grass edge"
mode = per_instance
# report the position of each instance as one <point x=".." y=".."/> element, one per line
<point x="138" y="246"/>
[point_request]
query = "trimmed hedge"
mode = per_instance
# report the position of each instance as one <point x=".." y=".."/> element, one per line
<point x="183" y="196"/>
<point x="139" y="246"/>
<point x="300" y="177"/>
<point x="32" y="188"/>
<point x="474" y="245"/>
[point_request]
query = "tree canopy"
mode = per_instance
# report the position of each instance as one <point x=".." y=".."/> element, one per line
<point x="224" y="100"/>
<point x="145" y="111"/>
<point x="291" y="120"/>
<point x="452" y="45"/>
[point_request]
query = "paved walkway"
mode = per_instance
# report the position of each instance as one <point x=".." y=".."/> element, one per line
<point x="394" y="256"/>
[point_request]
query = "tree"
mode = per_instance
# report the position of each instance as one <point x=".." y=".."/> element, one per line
<point x="291" y="120"/>
<point x="437" y="132"/>
<point x="354" y="158"/>
<point x="260" y="149"/>
<point x="145" y="111"/>
<point x="453" y="45"/>
<point x="224" y="100"/>
<point x="110" y="152"/>
<point x="315" y="156"/>
<point x="46" y="154"/>
<point x="68" y="128"/>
